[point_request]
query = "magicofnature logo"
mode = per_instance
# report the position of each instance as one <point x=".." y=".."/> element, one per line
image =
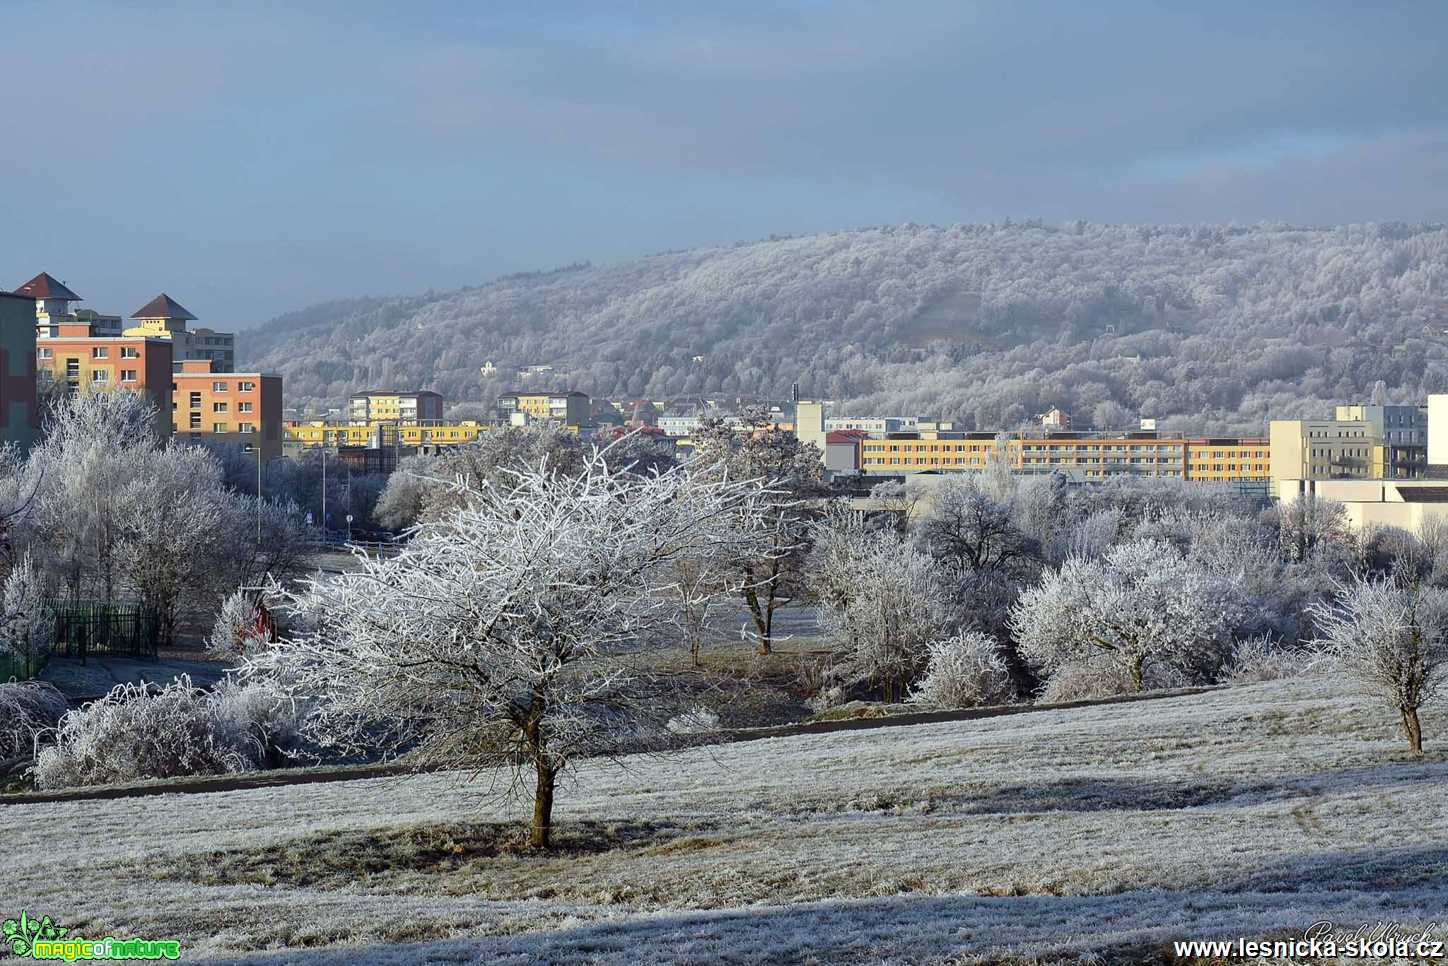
<point x="44" y="939"/>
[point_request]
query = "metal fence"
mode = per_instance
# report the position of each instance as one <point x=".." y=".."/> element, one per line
<point x="85" y="628"/>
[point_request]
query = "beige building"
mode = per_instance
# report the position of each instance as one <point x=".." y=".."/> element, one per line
<point x="1371" y="504"/>
<point x="165" y="318"/>
<point x="1323" y="449"/>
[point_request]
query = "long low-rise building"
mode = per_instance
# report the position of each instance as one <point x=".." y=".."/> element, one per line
<point x="1084" y="455"/>
<point x="319" y="433"/>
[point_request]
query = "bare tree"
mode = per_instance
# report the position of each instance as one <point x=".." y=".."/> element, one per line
<point x="772" y="578"/>
<point x="1393" y="640"/>
<point x="508" y="631"/>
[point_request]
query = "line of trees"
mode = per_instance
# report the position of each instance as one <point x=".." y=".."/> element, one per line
<point x="1085" y="591"/>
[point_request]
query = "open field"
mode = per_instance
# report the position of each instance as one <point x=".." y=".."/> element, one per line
<point x="1100" y="829"/>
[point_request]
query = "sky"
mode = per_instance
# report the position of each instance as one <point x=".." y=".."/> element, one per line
<point x="249" y="159"/>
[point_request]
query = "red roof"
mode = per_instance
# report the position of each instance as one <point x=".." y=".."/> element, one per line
<point x="846" y="435"/>
<point x="162" y="306"/>
<point x="46" y="286"/>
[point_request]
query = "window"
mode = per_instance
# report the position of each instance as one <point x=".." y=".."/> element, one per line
<point x="99" y="352"/>
<point x="195" y="401"/>
<point x="130" y="352"/>
<point x="246" y="387"/>
<point x="195" y="425"/>
<point x="245" y="427"/>
<point x="46" y="353"/>
<point x="243" y="407"/>
<point x="218" y="407"/>
<point x="218" y="427"/>
<point x="100" y="375"/>
<point x="128" y="375"/>
<point x="72" y="368"/>
<point x="218" y="387"/>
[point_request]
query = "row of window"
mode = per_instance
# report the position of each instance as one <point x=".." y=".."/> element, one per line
<point x="194" y="425"/>
<point x="97" y="352"/>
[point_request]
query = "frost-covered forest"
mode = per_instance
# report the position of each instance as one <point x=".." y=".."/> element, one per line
<point x="1211" y="328"/>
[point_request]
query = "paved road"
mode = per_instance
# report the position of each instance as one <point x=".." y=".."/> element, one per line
<point x="99" y="674"/>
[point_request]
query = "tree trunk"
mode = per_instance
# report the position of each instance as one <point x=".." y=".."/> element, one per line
<point x="1413" y="728"/>
<point x="1137" y="681"/>
<point x="541" y="832"/>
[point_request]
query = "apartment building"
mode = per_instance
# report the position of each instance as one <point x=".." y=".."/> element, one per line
<point x="1087" y="456"/>
<point x="242" y="408"/>
<point x="165" y="318"/>
<point x="385" y="405"/>
<point x="564" y="407"/>
<point x="1401" y="430"/>
<point x="52" y="301"/>
<point x="300" y="435"/>
<point x="1224" y="460"/>
<point x="1324" y="449"/>
<point x="77" y="357"/>
<point x="19" y="412"/>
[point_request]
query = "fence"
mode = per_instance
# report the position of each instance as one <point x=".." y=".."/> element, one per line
<point x="85" y="628"/>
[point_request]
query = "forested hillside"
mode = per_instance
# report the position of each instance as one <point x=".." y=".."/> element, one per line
<point x="1207" y="328"/>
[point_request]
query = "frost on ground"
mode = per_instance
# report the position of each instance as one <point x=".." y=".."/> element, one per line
<point x="1249" y="811"/>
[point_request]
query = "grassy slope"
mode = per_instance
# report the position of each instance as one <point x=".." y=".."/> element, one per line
<point x="1242" y="811"/>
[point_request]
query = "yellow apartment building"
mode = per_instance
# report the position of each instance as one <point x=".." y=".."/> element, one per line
<point x="1080" y="454"/>
<point x="383" y="405"/>
<point x="165" y="318"/>
<point x="567" y="407"/>
<point x="304" y="435"/>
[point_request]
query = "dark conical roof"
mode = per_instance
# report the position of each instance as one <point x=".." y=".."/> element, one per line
<point x="46" y="286"/>
<point x="162" y="306"/>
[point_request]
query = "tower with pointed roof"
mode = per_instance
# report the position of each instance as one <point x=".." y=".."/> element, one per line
<point x="164" y="317"/>
<point x="52" y="302"/>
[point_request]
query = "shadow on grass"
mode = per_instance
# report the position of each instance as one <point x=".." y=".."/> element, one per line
<point x="1135" y="927"/>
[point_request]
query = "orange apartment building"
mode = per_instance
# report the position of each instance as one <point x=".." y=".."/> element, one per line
<point x="1222" y="460"/>
<point x="244" y="408"/>
<point x="79" y="359"/>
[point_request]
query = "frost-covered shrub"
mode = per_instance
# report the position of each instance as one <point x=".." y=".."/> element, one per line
<point x="1263" y="659"/>
<point x="964" y="671"/>
<point x="693" y="722"/>
<point x="1097" y="677"/>
<point x="25" y="625"/>
<point x="268" y="717"/>
<point x="135" y="732"/>
<point x="26" y="708"/>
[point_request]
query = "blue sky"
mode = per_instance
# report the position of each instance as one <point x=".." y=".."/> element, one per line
<point x="253" y="158"/>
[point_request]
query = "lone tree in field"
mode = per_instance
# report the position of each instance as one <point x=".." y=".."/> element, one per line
<point x="507" y="631"/>
<point x="1394" y="641"/>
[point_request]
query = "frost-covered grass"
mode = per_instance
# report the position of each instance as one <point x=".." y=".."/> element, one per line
<point x="1245" y="810"/>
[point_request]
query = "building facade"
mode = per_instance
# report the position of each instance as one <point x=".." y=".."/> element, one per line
<point x="165" y="318"/>
<point x="241" y="408"/>
<point x="382" y="405"/>
<point x="19" y="406"/>
<point x="1086" y="456"/>
<point x="83" y="361"/>
<point x="302" y="435"/>
<point x="563" y="407"/>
